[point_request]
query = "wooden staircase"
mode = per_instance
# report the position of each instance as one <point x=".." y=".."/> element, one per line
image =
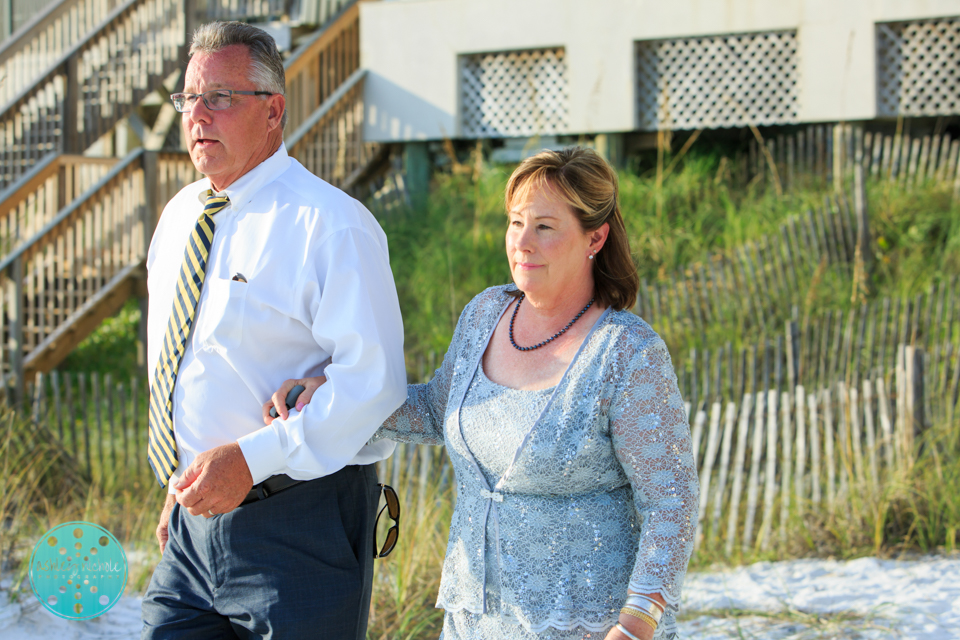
<point x="74" y="230"/>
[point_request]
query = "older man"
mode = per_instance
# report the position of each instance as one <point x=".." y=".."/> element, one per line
<point x="258" y="273"/>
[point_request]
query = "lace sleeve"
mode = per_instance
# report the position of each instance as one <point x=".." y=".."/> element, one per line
<point x="651" y="438"/>
<point x="419" y="420"/>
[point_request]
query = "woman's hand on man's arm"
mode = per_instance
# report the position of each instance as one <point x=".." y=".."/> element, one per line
<point x="278" y="399"/>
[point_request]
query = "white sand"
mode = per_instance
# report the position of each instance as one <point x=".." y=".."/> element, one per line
<point x="865" y="598"/>
<point x="796" y="600"/>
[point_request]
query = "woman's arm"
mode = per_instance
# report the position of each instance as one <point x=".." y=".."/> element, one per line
<point x="419" y="420"/>
<point x="651" y="439"/>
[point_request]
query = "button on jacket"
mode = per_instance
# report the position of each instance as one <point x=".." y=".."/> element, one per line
<point x="318" y="297"/>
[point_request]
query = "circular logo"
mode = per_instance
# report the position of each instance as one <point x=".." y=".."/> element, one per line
<point x="78" y="570"/>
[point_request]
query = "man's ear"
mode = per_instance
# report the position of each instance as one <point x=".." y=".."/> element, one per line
<point x="277" y="105"/>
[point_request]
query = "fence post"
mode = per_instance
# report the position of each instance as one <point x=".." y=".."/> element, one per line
<point x="837" y="152"/>
<point x="864" y="253"/>
<point x="16" y="330"/>
<point x="793" y="353"/>
<point x="37" y="398"/>
<point x="914" y="400"/>
<point x="743" y="429"/>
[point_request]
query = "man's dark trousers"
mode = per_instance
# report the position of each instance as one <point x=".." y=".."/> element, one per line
<point x="298" y="565"/>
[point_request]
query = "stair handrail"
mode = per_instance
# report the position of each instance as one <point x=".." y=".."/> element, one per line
<point x="26" y="178"/>
<point x="65" y="212"/>
<point x="328" y="104"/>
<point x="37" y="22"/>
<point x="69" y="53"/>
<point x="307" y="45"/>
<point x="29" y="36"/>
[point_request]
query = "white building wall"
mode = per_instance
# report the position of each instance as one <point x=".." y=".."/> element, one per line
<point x="410" y="49"/>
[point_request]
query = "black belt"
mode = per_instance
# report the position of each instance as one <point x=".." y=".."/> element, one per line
<point x="270" y="486"/>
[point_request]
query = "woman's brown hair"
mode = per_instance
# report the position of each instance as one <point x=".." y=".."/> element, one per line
<point x="582" y="179"/>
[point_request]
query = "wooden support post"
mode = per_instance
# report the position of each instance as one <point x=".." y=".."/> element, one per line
<point x="416" y="165"/>
<point x="70" y="140"/>
<point x="610" y="146"/>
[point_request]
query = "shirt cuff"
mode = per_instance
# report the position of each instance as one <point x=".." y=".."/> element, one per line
<point x="174" y="479"/>
<point x="263" y="452"/>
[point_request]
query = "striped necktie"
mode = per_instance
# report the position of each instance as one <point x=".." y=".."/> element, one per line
<point x="162" y="447"/>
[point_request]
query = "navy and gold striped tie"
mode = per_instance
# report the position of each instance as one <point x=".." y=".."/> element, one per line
<point x="162" y="447"/>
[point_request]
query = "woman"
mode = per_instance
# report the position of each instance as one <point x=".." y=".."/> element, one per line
<point x="561" y="415"/>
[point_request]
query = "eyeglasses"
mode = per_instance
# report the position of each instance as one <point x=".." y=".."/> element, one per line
<point x="215" y="99"/>
<point x="393" y="510"/>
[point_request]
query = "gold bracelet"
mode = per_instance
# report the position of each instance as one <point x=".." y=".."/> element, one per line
<point x="645" y="617"/>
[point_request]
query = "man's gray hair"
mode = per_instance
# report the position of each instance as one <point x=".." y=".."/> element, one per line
<point x="266" y="65"/>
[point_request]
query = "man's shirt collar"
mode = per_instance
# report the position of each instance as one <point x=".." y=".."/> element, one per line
<point x="246" y="186"/>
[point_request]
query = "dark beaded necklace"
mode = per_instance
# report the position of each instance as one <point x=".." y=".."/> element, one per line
<point x="548" y="340"/>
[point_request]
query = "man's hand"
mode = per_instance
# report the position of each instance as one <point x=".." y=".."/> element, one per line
<point x="162" y="535"/>
<point x="216" y="482"/>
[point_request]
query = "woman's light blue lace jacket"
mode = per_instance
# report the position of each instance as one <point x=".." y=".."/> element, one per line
<point x="602" y="494"/>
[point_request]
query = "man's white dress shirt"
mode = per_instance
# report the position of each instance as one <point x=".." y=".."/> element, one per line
<point x="318" y="293"/>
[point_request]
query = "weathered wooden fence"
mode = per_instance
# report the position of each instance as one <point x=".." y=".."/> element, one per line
<point x="828" y="153"/>
<point x="100" y="421"/>
<point x="806" y="450"/>
<point x="756" y="284"/>
<point x="848" y="346"/>
<point x="818" y="413"/>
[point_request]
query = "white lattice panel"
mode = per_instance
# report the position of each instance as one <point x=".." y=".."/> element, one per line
<point x="718" y="81"/>
<point x="514" y="93"/>
<point x="917" y="68"/>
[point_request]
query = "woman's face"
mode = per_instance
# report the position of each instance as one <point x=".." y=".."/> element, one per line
<point x="546" y="247"/>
